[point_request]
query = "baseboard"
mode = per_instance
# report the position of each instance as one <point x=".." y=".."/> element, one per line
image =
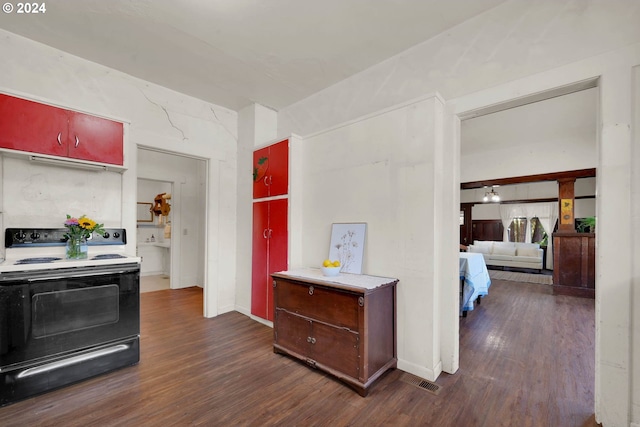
<point x="420" y="371"/>
<point x="247" y="313"/>
<point x="153" y="273"/>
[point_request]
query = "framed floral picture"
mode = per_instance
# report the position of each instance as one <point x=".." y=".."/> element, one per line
<point x="347" y="245"/>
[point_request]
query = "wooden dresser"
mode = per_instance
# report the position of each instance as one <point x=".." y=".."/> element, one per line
<point x="344" y="325"/>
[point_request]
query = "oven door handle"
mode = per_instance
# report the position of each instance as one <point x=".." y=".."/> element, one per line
<point x="74" y="275"/>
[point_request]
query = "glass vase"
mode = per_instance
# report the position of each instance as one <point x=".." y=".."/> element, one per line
<point x="77" y="248"/>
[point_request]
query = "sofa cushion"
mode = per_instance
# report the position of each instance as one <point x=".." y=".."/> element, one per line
<point x="530" y="259"/>
<point x="498" y="257"/>
<point x="528" y="252"/>
<point x="503" y="250"/>
<point x="527" y="245"/>
<point x="481" y="247"/>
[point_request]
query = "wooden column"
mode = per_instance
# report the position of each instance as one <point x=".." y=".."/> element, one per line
<point x="566" y="208"/>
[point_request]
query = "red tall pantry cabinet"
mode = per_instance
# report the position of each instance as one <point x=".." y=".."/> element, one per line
<point x="270" y="224"/>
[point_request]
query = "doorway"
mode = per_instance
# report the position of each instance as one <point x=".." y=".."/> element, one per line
<point x="516" y="152"/>
<point x="154" y="236"/>
<point x="179" y="240"/>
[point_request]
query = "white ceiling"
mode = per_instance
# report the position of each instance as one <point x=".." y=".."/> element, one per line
<point x="236" y="52"/>
<point x="568" y="117"/>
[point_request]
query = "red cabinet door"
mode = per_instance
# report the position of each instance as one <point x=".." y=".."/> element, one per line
<point x="260" y="173"/>
<point x="33" y="127"/>
<point x="95" y="139"/>
<point x="279" y="168"/>
<point x="271" y="170"/>
<point x="269" y="253"/>
<point x="278" y="244"/>
<point x="259" y="266"/>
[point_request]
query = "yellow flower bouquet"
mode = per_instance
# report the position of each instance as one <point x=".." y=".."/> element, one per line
<point x="79" y="230"/>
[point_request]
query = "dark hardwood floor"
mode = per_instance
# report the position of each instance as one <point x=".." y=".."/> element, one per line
<point x="526" y="359"/>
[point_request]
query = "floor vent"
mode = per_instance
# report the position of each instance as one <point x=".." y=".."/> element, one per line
<point x="432" y="388"/>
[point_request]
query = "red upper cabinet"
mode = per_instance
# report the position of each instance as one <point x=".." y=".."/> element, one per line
<point x="95" y="139"/>
<point x="271" y="170"/>
<point x="31" y="126"/>
<point x="39" y="128"/>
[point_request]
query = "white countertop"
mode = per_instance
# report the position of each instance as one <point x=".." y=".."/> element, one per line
<point x="347" y="279"/>
<point x="156" y="244"/>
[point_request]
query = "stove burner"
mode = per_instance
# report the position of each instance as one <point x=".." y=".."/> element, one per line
<point x="40" y="260"/>
<point x="108" y="256"/>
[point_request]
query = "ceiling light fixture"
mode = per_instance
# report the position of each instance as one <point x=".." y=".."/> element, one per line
<point x="491" y="196"/>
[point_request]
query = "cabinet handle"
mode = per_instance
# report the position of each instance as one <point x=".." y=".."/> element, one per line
<point x="265" y="180"/>
<point x="77" y="141"/>
<point x="270" y="232"/>
<point x="264" y="233"/>
<point x="59" y="135"/>
<point x="310" y="290"/>
<point x="311" y="340"/>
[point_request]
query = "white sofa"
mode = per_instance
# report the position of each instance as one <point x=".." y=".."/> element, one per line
<point x="509" y="254"/>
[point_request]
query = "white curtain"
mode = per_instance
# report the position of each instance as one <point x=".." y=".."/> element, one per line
<point x="547" y="213"/>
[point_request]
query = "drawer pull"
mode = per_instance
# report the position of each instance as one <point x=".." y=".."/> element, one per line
<point x="310" y="290"/>
<point x="361" y="301"/>
<point x="59" y="135"/>
<point x="274" y="283"/>
<point x="311" y="340"/>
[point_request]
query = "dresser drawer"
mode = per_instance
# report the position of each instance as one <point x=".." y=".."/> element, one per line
<point x="292" y="331"/>
<point x="336" y="348"/>
<point x="337" y="307"/>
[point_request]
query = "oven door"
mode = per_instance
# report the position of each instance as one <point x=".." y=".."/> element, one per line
<point x="50" y="313"/>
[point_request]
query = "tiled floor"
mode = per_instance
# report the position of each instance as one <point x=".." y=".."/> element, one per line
<point x="154" y="283"/>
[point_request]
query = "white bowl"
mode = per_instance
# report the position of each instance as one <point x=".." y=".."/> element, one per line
<point x="330" y="271"/>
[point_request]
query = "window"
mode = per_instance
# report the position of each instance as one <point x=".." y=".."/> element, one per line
<point x="517" y="230"/>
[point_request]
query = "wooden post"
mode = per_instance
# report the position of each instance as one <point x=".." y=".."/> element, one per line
<point x="566" y="200"/>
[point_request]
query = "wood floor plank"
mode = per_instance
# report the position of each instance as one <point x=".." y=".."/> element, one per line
<point x="527" y="359"/>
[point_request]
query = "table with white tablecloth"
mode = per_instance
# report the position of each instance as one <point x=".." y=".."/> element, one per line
<point x="474" y="273"/>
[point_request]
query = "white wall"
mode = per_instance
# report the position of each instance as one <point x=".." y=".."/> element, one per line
<point x="381" y="170"/>
<point x="635" y="273"/>
<point x="155" y="117"/>
<point x="38" y="195"/>
<point x="516" y="50"/>
<point x="515" y="39"/>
